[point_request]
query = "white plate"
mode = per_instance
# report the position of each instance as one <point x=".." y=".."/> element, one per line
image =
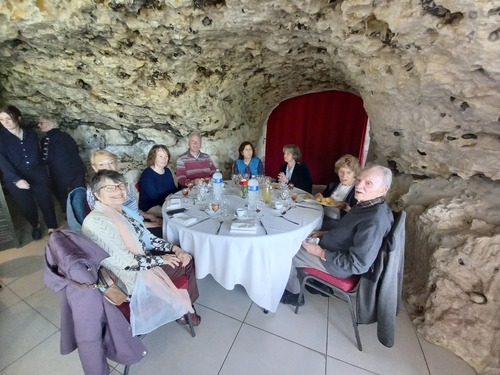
<point x="244" y="217"/>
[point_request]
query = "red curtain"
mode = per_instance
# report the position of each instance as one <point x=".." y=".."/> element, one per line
<point x="325" y="126"/>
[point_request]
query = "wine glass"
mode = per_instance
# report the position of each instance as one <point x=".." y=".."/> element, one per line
<point x="215" y="206"/>
<point x="258" y="209"/>
<point x="185" y="193"/>
<point x="291" y="186"/>
<point x="294" y="196"/>
<point x="189" y="184"/>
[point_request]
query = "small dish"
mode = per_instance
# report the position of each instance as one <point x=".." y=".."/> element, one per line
<point x="243" y="218"/>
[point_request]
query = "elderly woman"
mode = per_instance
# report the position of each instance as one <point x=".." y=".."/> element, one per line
<point x="248" y="163"/>
<point x="341" y="189"/>
<point x="24" y="174"/>
<point x="293" y="172"/>
<point x="60" y="153"/>
<point x="156" y="181"/>
<point x="121" y="233"/>
<point x="103" y="159"/>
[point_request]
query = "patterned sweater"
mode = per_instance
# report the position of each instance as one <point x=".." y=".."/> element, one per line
<point x="190" y="167"/>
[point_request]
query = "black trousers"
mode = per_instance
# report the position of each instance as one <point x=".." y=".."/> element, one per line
<point x="40" y="191"/>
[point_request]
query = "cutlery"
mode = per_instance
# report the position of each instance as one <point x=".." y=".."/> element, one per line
<point x="265" y="230"/>
<point x="201" y="221"/>
<point x="218" y="229"/>
<point x="291" y="221"/>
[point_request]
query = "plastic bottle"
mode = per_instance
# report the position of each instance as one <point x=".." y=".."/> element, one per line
<point x="253" y="191"/>
<point x="217" y="184"/>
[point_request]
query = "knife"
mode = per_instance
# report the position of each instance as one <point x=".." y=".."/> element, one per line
<point x="265" y="230"/>
<point x="218" y="229"/>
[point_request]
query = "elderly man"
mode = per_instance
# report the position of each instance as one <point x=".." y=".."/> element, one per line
<point x="60" y="153"/>
<point x="194" y="164"/>
<point x="351" y="246"/>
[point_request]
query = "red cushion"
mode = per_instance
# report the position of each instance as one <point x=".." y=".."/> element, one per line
<point x="346" y="284"/>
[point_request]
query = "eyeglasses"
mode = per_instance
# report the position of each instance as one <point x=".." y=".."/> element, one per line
<point x="105" y="164"/>
<point x="111" y="188"/>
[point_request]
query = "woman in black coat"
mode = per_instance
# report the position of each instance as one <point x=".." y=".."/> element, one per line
<point x="341" y="189"/>
<point x="293" y="172"/>
<point x="24" y="174"/>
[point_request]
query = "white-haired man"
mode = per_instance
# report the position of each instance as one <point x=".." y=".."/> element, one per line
<point x="351" y="246"/>
<point x="194" y="164"/>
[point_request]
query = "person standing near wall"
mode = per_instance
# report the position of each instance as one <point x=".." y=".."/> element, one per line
<point x="60" y="153"/>
<point x="24" y="174"/>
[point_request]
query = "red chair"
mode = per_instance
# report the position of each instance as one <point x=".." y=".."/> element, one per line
<point x="343" y="289"/>
<point x="367" y="288"/>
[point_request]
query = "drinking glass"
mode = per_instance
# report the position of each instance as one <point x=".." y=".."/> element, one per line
<point x="185" y="193"/>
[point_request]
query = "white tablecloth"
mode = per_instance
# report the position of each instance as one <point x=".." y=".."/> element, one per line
<point x="259" y="262"/>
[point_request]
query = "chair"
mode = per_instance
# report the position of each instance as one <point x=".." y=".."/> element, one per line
<point x="369" y="287"/>
<point x="76" y="208"/>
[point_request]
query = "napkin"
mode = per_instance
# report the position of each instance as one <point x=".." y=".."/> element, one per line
<point x="174" y="203"/>
<point x="243" y="228"/>
<point x="184" y="219"/>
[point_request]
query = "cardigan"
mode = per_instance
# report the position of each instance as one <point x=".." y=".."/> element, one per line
<point x="255" y="167"/>
<point x="88" y="322"/>
<point x="301" y="176"/>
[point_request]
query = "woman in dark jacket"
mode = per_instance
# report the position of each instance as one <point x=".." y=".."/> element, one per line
<point x="24" y="174"/>
<point x="293" y="172"/>
<point x="341" y="189"/>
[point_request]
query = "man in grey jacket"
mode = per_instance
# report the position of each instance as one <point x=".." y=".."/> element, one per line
<point x="351" y="246"/>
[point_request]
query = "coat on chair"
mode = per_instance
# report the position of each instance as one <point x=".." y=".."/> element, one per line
<point x="88" y="322"/>
<point x="380" y="288"/>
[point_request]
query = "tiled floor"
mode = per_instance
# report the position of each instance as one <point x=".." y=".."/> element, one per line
<point x="235" y="337"/>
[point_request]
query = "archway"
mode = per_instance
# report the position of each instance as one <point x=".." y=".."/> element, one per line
<point x="325" y="125"/>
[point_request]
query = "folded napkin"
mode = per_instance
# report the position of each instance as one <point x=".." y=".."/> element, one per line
<point x="173" y="203"/>
<point x="243" y="228"/>
<point x="184" y="219"/>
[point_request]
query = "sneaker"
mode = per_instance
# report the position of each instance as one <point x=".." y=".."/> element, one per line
<point x="292" y="299"/>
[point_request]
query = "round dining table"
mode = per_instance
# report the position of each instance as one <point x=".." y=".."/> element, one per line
<point x="255" y="252"/>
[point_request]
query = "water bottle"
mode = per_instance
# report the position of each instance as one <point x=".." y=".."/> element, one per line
<point x="217" y="184"/>
<point x="253" y="191"/>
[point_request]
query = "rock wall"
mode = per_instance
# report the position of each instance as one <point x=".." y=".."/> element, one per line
<point x="125" y="74"/>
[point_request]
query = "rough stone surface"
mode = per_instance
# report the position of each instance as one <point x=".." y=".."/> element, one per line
<point x="125" y="74"/>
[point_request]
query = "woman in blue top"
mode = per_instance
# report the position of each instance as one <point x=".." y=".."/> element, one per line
<point x="24" y="174"/>
<point x="247" y="162"/>
<point x="156" y="181"/>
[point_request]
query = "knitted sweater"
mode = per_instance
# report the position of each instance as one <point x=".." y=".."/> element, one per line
<point x="190" y="167"/>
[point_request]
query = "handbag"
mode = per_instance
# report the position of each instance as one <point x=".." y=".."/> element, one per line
<point x="111" y="287"/>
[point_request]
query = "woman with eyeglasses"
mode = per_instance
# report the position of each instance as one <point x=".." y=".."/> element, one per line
<point x="137" y="257"/>
<point x="157" y="181"/>
<point x="103" y="159"/>
<point x="24" y="173"/>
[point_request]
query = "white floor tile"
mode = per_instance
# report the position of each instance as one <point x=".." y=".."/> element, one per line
<point x="234" y="303"/>
<point x="308" y="327"/>
<point x="443" y="362"/>
<point x="259" y="352"/>
<point x="172" y="350"/>
<point x="7" y="298"/>
<point x="46" y="302"/>
<point x="26" y="280"/>
<point x="45" y="359"/>
<point x="22" y="329"/>
<point x="336" y="367"/>
<point x="405" y="357"/>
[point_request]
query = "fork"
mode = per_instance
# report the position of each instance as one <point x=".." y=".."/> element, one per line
<point x="291" y="221"/>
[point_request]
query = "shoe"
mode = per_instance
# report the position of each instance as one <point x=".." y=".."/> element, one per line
<point x="36" y="233"/>
<point x="292" y="299"/>
<point x="195" y="320"/>
<point x="324" y="289"/>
